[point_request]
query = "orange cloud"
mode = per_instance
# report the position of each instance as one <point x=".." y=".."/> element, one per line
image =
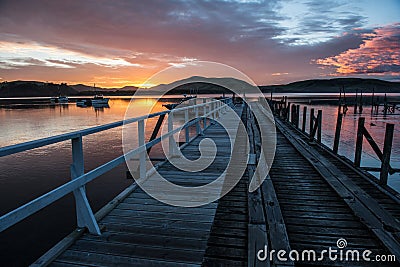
<point x="379" y="54"/>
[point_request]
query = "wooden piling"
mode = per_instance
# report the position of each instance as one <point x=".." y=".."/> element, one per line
<point x="387" y="149"/>
<point x="292" y="113"/>
<point x="303" y="127"/>
<point x="355" y="102"/>
<point x="385" y="105"/>
<point x="337" y="132"/>
<point x="359" y="142"/>
<point x="297" y="115"/>
<point x="372" y="101"/>
<point x="311" y="120"/>
<point x="319" y="125"/>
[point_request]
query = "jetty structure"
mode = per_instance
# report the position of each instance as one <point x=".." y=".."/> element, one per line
<point x="312" y="199"/>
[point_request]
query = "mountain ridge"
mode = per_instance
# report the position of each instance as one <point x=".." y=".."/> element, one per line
<point x="198" y="85"/>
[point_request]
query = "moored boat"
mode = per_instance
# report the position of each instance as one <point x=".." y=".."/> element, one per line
<point x="59" y="99"/>
<point x="87" y="102"/>
<point x="99" y="99"/>
<point x="174" y="105"/>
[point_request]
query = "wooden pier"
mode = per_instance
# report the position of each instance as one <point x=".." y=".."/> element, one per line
<point x="311" y="199"/>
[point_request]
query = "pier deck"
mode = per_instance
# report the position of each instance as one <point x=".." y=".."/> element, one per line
<point x="310" y="199"/>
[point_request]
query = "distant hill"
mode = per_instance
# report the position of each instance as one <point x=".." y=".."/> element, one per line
<point x="32" y="89"/>
<point x="198" y="85"/>
<point x="207" y="86"/>
<point x="82" y="88"/>
<point x="333" y="85"/>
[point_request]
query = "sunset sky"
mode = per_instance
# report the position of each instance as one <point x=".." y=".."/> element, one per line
<point x="118" y="43"/>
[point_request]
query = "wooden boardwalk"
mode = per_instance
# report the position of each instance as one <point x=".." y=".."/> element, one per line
<point x="310" y="199"/>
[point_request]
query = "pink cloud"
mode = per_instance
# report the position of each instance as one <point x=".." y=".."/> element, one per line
<point x="378" y="54"/>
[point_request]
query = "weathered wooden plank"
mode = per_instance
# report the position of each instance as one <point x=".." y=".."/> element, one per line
<point x="278" y="236"/>
<point x="361" y="204"/>
<point x="190" y="243"/>
<point x="138" y="215"/>
<point x="97" y="259"/>
<point x="143" y="231"/>
<point x="216" y="262"/>
<point x="258" y="240"/>
<point x="257" y="231"/>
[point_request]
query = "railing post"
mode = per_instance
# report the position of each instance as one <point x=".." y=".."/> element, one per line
<point x="216" y="112"/>
<point x="387" y="149"/>
<point x="84" y="213"/>
<point x="171" y="140"/>
<point x="142" y="155"/>
<point x="359" y="142"/>
<point x="319" y="124"/>
<point x="292" y="111"/>
<point x="287" y="112"/>
<point x="311" y="120"/>
<point x="212" y="110"/>
<point x="186" y="127"/>
<point x="204" y="114"/>
<point x="196" y="112"/>
<point x="337" y="133"/>
<point x="297" y="115"/>
<point x="303" y="126"/>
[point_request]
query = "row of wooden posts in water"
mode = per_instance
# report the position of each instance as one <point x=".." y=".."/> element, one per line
<point x="290" y="112"/>
<point x="388" y="108"/>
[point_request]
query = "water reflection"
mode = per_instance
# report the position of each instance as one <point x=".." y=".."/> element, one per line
<point x="30" y="174"/>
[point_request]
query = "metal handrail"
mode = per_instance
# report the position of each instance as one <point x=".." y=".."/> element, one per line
<point x="85" y="217"/>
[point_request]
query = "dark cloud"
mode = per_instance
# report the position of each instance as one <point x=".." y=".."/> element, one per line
<point x="250" y="36"/>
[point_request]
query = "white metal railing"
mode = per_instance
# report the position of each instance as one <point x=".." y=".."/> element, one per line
<point x="85" y="218"/>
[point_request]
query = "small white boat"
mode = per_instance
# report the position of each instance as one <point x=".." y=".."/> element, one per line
<point x="59" y="99"/>
<point x="62" y="99"/>
<point x="100" y="100"/>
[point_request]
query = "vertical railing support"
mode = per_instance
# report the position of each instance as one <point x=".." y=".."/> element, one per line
<point x="297" y="115"/>
<point x="196" y="112"/>
<point x="171" y="139"/>
<point x="387" y="149"/>
<point x="84" y="213"/>
<point x="319" y="125"/>
<point x="204" y="114"/>
<point x="212" y="110"/>
<point x="359" y="142"/>
<point x="303" y="126"/>
<point x="292" y="114"/>
<point x="337" y="133"/>
<point x="142" y="155"/>
<point x="186" y="127"/>
<point x="287" y="112"/>
<point x="311" y="120"/>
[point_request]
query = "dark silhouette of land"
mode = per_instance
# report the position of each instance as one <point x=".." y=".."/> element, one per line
<point x="198" y="85"/>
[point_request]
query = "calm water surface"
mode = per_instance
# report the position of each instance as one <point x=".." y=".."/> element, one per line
<point x="27" y="175"/>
